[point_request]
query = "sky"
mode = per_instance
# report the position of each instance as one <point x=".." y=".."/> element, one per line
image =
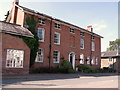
<point x="103" y="16"/>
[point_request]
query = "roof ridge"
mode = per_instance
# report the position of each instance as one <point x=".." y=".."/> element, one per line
<point x="33" y="11"/>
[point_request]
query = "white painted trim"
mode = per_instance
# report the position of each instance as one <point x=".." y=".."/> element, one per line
<point x="43" y="34"/>
<point x="12" y="62"/>
<point x="37" y="56"/>
<point x="73" y="64"/>
<point x="59" y="38"/>
<point x="58" y="57"/>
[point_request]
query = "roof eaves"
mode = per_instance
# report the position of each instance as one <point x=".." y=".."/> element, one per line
<point x="32" y="11"/>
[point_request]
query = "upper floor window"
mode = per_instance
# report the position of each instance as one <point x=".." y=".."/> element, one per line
<point x="82" y="33"/>
<point x="41" y="21"/>
<point x="93" y="37"/>
<point x="40" y="55"/>
<point x="110" y="59"/>
<point x="14" y="58"/>
<point x="81" y="43"/>
<point x="56" y="56"/>
<point x="57" y="26"/>
<point x="93" y="46"/>
<point x="82" y="59"/>
<point x="41" y="32"/>
<point x="72" y="30"/>
<point x="57" y="38"/>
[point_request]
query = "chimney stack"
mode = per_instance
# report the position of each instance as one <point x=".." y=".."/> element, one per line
<point x="90" y="28"/>
<point x="16" y="2"/>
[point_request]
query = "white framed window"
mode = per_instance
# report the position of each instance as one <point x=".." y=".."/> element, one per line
<point x="57" y="38"/>
<point x="81" y="43"/>
<point x="56" y="56"/>
<point x="82" y="59"/>
<point x="88" y="59"/>
<point x="40" y="55"/>
<point x="93" y="37"/>
<point x="41" y="34"/>
<point x="93" y="60"/>
<point x="72" y="30"/>
<point x="110" y="59"/>
<point x="93" y="46"/>
<point x="57" y="26"/>
<point x="82" y="34"/>
<point x="96" y="60"/>
<point x="14" y="58"/>
<point x="41" y="21"/>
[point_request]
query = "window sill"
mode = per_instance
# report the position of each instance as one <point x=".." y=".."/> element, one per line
<point x="14" y="67"/>
<point x="57" y="44"/>
<point x="40" y="41"/>
<point x="58" y="28"/>
<point x="41" y="24"/>
<point x="56" y="62"/>
<point x="82" y="48"/>
<point x="38" y="61"/>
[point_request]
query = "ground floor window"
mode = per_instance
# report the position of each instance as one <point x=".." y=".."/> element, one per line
<point x="93" y="60"/>
<point x="40" y="55"/>
<point x="88" y="59"/>
<point x="14" y="58"/>
<point x="56" y="56"/>
<point x="96" y="60"/>
<point x="82" y="59"/>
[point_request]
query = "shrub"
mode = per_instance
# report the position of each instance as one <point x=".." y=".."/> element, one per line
<point x="86" y="69"/>
<point x="66" y="67"/>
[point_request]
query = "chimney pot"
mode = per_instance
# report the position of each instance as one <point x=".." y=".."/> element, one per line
<point x="16" y="2"/>
<point x="90" y="28"/>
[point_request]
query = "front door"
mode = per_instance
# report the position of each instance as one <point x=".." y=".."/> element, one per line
<point x="72" y="59"/>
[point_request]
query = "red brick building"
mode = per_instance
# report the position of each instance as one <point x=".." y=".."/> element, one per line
<point x="14" y="53"/>
<point x="60" y="40"/>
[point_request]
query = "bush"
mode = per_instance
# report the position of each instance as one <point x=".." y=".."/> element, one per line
<point x="86" y="69"/>
<point x="66" y="67"/>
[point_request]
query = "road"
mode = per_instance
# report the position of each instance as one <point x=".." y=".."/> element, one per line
<point x="82" y="82"/>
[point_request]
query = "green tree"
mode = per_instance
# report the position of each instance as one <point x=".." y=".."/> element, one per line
<point x="32" y="42"/>
<point x="114" y="45"/>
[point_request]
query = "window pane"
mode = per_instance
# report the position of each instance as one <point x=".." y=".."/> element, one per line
<point x="41" y="34"/>
<point x="14" y="58"/>
<point x="40" y="55"/>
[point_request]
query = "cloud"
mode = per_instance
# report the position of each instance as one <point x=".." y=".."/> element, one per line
<point x="99" y="26"/>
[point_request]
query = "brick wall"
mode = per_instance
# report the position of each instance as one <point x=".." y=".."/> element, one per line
<point x="12" y="42"/>
<point x="64" y="47"/>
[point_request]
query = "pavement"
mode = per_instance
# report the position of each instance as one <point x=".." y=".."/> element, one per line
<point x="56" y="76"/>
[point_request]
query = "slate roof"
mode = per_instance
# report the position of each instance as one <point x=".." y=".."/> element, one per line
<point x="110" y="54"/>
<point x="35" y="12"/>
<point x="14" y="29"/>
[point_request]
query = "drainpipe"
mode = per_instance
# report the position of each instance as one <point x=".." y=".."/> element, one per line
<point x="91" y="47"/>
<point x="50" y="45"/>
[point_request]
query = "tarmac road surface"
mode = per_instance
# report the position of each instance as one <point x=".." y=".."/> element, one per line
<point x="82" y="82"/>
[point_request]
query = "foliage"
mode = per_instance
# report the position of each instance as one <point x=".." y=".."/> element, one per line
<point x="86" y="69"/>
<point x="32" y="42"/>
<point x="6" y="16"/>
<point x="66" y="67"/>
<point x="114" y="45"/>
